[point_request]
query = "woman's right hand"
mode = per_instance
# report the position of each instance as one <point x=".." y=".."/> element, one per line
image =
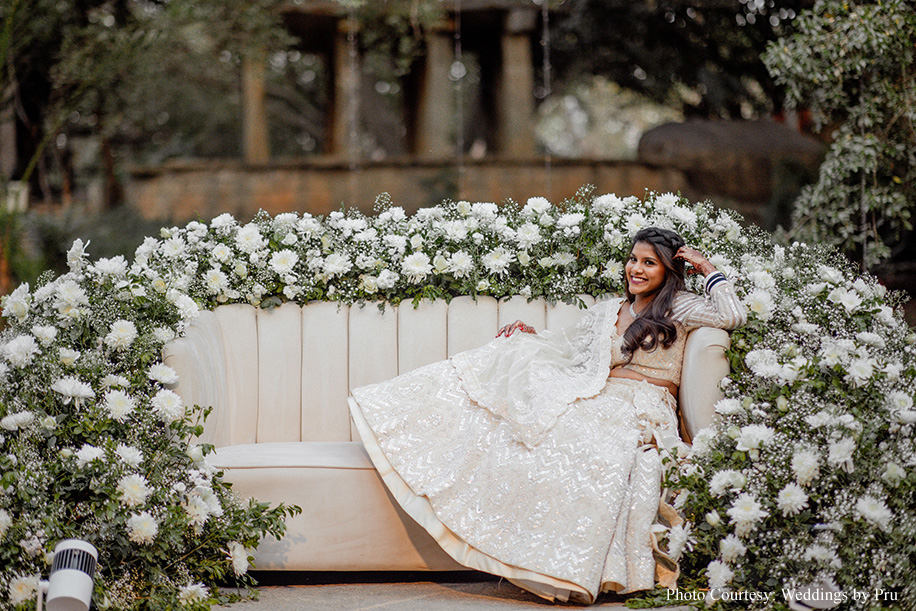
<point x="513" y="327"/>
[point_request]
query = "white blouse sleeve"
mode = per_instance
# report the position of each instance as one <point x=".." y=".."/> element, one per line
<point x="720" y="308"/>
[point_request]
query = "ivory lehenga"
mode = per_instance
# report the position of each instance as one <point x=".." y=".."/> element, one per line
<point x="523" y="459"/>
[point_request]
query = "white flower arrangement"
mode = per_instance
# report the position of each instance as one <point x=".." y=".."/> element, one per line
<point x="807" y="472"/>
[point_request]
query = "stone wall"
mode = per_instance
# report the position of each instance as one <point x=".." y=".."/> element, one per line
<point x="187" y="190"/>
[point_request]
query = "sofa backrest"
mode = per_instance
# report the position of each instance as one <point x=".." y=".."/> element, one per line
<point x="284" y="374"/>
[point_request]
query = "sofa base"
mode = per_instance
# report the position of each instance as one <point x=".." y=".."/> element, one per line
<point x="349" y="522"/>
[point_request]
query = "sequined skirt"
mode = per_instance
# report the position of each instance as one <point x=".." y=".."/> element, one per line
<point x="567" y="519"/>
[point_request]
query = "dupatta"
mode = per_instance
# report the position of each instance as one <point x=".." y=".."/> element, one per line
<point x="530" y="380"/>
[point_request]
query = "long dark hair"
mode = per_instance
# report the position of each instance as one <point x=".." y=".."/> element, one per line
<point x="653" y="325"/>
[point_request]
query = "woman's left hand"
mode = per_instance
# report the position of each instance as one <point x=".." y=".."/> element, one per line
<point x="696" y="259"/>
<point x="513" y="327"/>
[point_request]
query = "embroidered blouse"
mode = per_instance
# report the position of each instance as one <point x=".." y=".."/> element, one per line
<point x="720" y="308"/>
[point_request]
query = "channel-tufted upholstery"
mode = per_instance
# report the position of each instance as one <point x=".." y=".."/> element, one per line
<point x="278" y="381"/>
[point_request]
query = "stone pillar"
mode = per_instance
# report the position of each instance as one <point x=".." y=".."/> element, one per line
<point x="433" y="136"/>
<point x="515" y="112"/>
<point x="345" y="71"/>
<point x="8" y="157"/>
<point x="254" y="112"/>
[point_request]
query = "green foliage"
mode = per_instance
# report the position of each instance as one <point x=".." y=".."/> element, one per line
<point x="93" y="445"/>
<point x="853" y="65"/>
<point x="701" y="57"/>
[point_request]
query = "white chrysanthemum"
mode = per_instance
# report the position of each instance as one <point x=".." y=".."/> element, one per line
<point x="719" y="575"/>
<point x="416" y="267"/>
<point x="197" y="511"/>
<point x="607" y="203"/>
<point x="685" y="216"/>
<point x="731" y="548"/>
<point x="223" y="222"/>
<point x="23" y="589"/>
<point x="72" y="390"/>
<point x="284" y="261"/>
<point x="174" y="248"/>
<point x="16" y="421"/>
<point x="133" y="490"/>
<point x="116" y="266"/>
<point x="763" y="363"/>
<point x="87" y="454"/>
<point x="238" y="554"/>
<point x="68" y="356"/>
<point x="752" y="436"/>
<point x="192" y="593"/>
<point x="726" y="407"/>
<point x="536" y="206"/>
<point x="702" y="442"/>
<point x="874" y="511"/>
<point x="249" y="239"/>
<point x="395" y="243"/>
<point x="20" y="351"/>
<point x="727" y="479"/>
<point x="45" y="334"/>
<point x="839" y="454"/>
<point x="121" y="335"/>
<point x="216" y="281"/>
<point x="71" y="293"/>
<point x="791" y="499"/>
<point x="131" y="456"/>
<point x="118" y="404"/>
<point x="860" y="371"/>
<point x="497" y="261"/>
<point x="168" y="405"/>
<point x="564" y="259"/>
<point x="636" y="222"/>
<point x="760" y="302"/>
<point x="680" y="540"/>
<point x="821" y="553"/>
<point x="387" y="279"/>
<point x="570" y="219"/>
<point x="142" y="528"/>
<point x="337" y="264"/>
<point x="898" y="400"/>
<point x="18" y="303"/>
<point x="162" y="373"/>
<point x="805" y="466"/>
<point x="113" y="381"/>
<point x="666" y="201"/>
<point x="528" y="235"/>
<point x="484" y="210"/>
<point x="745" y="512"/>
<point x="871" y="339"/>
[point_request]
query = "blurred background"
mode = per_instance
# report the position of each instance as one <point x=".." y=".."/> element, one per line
<point x="120" y="116"/>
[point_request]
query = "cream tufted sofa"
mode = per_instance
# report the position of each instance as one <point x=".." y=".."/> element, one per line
<point x="278" y="381"/>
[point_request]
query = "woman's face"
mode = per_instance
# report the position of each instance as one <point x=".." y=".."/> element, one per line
<point x="644" y="270"/>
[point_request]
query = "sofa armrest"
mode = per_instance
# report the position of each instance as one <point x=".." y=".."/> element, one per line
<point x="704" y="367"/>
<point x="197" y="356"/>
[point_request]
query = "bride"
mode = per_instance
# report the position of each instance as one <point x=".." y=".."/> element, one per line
<point x="538" y="457"/>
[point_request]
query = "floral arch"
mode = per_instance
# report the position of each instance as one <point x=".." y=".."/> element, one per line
<point x="807" y="475"/>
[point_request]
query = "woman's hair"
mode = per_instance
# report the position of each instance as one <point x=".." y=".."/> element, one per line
<point x="653" y="325"/>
